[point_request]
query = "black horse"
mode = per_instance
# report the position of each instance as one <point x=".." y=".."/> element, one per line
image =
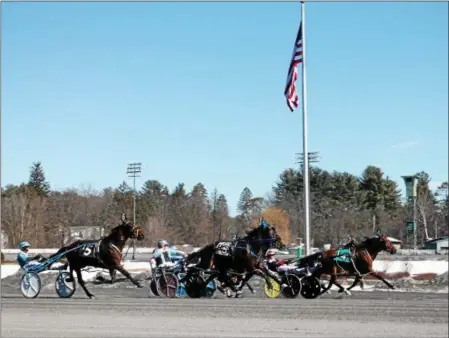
<point x="104" y="253"/>
<point x="242" y="257"/>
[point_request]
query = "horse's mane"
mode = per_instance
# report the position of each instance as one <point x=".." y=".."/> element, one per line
<point x="117" y="228"/>
<point x="114" y="229"/>
<point x="258" y="232"/>
<point x="252" y="232"/>
<point x="367" y="241"/>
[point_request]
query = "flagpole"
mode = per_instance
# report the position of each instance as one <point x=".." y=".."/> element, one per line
<point x="305" y="136"/>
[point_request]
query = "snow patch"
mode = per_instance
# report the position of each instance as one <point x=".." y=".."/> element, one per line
<point x="411" y="267"/>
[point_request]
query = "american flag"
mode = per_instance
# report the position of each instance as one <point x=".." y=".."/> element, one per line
<point x="290" y="88"/>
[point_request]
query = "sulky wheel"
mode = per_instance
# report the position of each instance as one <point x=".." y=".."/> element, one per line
<point x="311" y="287"/>
<point x="181" y="292"/>
<point x="272" y="288"/>
<point x="63" y="287"/>
<point x="209" y="290"/>
<point x="167" y="285"/>
<point x="293" y="287"/>
<point x="153" y="288"/>
<point x="30" y="285"/>
<point x="194" y="286"/>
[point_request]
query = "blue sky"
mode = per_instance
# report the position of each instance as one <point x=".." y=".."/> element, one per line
<point x="195" y="91"/>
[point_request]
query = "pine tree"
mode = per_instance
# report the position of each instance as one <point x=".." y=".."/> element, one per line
<point x="37" y="180"/>
<point x="244" y="203"/>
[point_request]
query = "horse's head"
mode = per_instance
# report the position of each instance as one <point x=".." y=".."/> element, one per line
<point x="277" y="240"/>
<point x="378" y="243"/>
<point x="265" y="236"/>
<point x="130" y="230"/>
<point x="386" y="243"/>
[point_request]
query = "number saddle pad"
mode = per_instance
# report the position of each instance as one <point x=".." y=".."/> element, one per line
<point x="343" y="255"/>
<point x="89" y="250"/>
<point x="224" y="249"/>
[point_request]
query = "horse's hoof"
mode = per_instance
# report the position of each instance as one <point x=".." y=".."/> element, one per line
<point x="139" y="285"/>
<point x="348" y="293"/>
<point x="253" y="291"/>
<point x="328" y="292"/>
<point x="238" y="294"/>
<point x="341" y="291"/>
<point x="228" y="293"/>
<point x="92" y="297"/>
<point x="393" y="287"/>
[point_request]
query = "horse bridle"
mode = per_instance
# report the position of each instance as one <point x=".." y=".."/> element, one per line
<point x="389" y="248"/>
<point x="135" y="231"/>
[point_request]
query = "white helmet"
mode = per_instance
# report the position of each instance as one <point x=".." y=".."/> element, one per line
<point x="270" y="252"/>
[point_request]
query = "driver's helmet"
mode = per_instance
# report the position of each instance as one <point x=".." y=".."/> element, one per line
<point x="264" y="224"/>
<point x="24" y="244"/>
<point x="161" y="243"/>
<point x="270" y="253"/>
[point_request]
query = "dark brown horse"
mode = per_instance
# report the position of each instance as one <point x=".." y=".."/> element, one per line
<point x="359" y="262"/>
<point x="241" y="258"/>
<point x="105" y="253"/>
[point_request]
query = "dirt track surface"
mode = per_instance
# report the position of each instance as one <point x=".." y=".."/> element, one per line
<point x="130" y="313"/>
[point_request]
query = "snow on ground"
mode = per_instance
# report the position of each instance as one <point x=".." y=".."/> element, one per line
<point x="411" y="267"/>
<point x="11" y="274"/>
<point x="88" y="274"/>
<point x="387" y="266"/>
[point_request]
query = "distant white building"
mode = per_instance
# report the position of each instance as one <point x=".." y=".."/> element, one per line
<point x="397" y="243"/>
<point x="77" y="232"/>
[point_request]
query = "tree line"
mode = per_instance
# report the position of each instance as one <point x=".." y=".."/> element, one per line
<point x="341" y="204"/>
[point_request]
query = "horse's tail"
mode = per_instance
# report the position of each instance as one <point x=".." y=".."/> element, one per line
<point x="204" y="255"/>
<point x="310" y="260"/>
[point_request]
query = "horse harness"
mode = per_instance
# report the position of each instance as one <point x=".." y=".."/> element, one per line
<point x="92" y="249"/>
<point x="228" y="249"/>
<point x="346" y="254"/>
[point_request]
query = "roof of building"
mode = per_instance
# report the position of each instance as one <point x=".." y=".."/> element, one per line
<point x="438" y="239"/>
<point x="394" y="240"/>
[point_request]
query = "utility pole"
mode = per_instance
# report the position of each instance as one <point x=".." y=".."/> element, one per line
<point x="313" y="157"/>
<point x="133" y="170"/>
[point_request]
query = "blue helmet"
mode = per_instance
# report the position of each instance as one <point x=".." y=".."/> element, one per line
<point x="161" y="243"/>
<point x="264" y="224"/>
<point x="23" y="245"/>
